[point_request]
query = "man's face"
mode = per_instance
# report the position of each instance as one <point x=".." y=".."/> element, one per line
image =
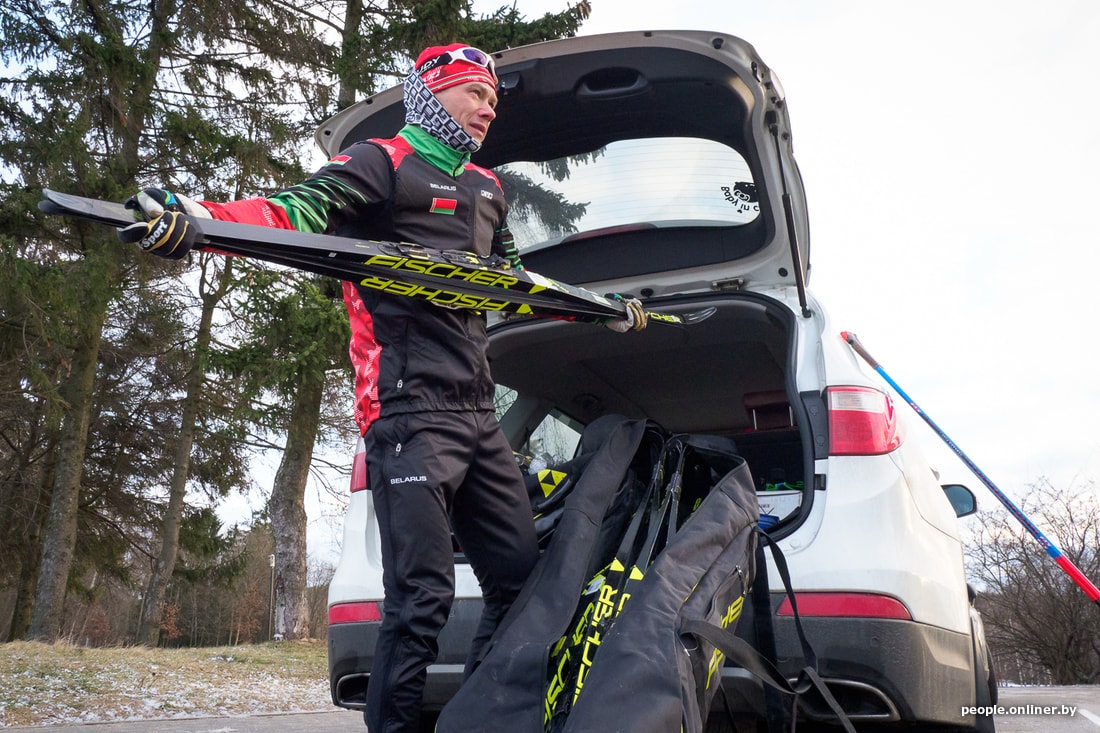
<point x="472" y="105"/>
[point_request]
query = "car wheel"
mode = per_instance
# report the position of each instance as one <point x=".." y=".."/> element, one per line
<point x="985" y="692"/>
<point x="985" y="687"/>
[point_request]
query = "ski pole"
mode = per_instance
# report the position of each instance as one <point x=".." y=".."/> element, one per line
<point x="1064" y="562"/>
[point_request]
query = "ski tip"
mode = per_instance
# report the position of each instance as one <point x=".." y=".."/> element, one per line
<point x="54" y="197"/>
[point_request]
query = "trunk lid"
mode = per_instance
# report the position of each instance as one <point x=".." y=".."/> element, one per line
<point x="648" y="163"/>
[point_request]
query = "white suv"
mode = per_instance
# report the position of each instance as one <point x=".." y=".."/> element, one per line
<point x="659" y="164"/>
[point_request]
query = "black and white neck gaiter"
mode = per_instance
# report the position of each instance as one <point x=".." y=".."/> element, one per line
<point x="427" y="112"/>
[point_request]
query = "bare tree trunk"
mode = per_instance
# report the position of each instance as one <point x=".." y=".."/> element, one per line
<point x="24" y="595"/>
<point x="353" y="17"/>
<point x="32" y="556"/>
<point x="153" y="608"/>
<point x="59" y="541"/>
<point x="287" y="506"/>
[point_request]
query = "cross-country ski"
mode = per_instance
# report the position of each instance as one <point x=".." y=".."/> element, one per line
<point x="450" y="278"/>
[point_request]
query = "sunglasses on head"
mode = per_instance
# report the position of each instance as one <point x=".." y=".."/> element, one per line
<point x="469" y="54"/>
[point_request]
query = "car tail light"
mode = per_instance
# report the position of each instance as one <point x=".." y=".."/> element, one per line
<point x="861" y="422"/>
<point x="359" y="468"/>
<point x="350" y="613"/>
<point x="849" y="605"/>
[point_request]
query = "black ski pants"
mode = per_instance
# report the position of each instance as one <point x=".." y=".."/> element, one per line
<point x="430" y="472"/>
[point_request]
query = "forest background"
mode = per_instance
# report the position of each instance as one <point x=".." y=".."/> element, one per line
<point x="136" y="396"/>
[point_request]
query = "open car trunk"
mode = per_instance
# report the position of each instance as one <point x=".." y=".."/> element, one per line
<point x="727" y="375"/>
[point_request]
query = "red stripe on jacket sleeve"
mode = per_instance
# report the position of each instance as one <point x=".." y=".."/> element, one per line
<point x="257" y="211"/>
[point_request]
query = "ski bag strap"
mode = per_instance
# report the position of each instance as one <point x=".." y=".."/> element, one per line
<point x="741" y="653"/>
<point x="764" y="630"/>
<point x="808" y="676"/>
<point x="744" y="655"/>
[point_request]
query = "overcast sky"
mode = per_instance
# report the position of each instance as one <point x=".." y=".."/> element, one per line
<point x="949" y="152"/>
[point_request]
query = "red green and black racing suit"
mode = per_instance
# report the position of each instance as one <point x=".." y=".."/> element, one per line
<point x="436" y="456"/>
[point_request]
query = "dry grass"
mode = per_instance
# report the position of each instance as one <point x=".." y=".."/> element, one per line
<point x="43" y="684"/>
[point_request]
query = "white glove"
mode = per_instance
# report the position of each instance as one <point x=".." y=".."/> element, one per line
<point x="155" y="201"/>
<point x="635" y="320"/>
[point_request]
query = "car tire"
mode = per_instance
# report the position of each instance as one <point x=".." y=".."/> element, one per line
<point x="991" y="682"/>
<point x="986" y="691"/>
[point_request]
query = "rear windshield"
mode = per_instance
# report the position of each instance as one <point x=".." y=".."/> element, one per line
<point x="653" y="181"/>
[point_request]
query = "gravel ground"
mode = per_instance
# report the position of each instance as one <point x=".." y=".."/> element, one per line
<point x="48" y="684"/>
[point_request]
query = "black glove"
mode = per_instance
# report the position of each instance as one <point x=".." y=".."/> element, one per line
<point x="171" y="230"/>
<point x="171" y="235"/>
<point x="635" y="320"/>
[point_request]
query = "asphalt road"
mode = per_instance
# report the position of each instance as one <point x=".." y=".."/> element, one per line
<point x="1043" y="709"/>
<point x="1022" y="710"/>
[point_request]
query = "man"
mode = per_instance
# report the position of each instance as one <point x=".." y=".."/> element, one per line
<point x="436" y="456"/>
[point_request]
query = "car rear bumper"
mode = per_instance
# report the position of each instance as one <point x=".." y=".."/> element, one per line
<point x="879" y="670"/>
<point x="351" y="650"/>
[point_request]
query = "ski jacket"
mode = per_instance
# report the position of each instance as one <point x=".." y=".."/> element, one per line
<point x="408" y="354"/>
